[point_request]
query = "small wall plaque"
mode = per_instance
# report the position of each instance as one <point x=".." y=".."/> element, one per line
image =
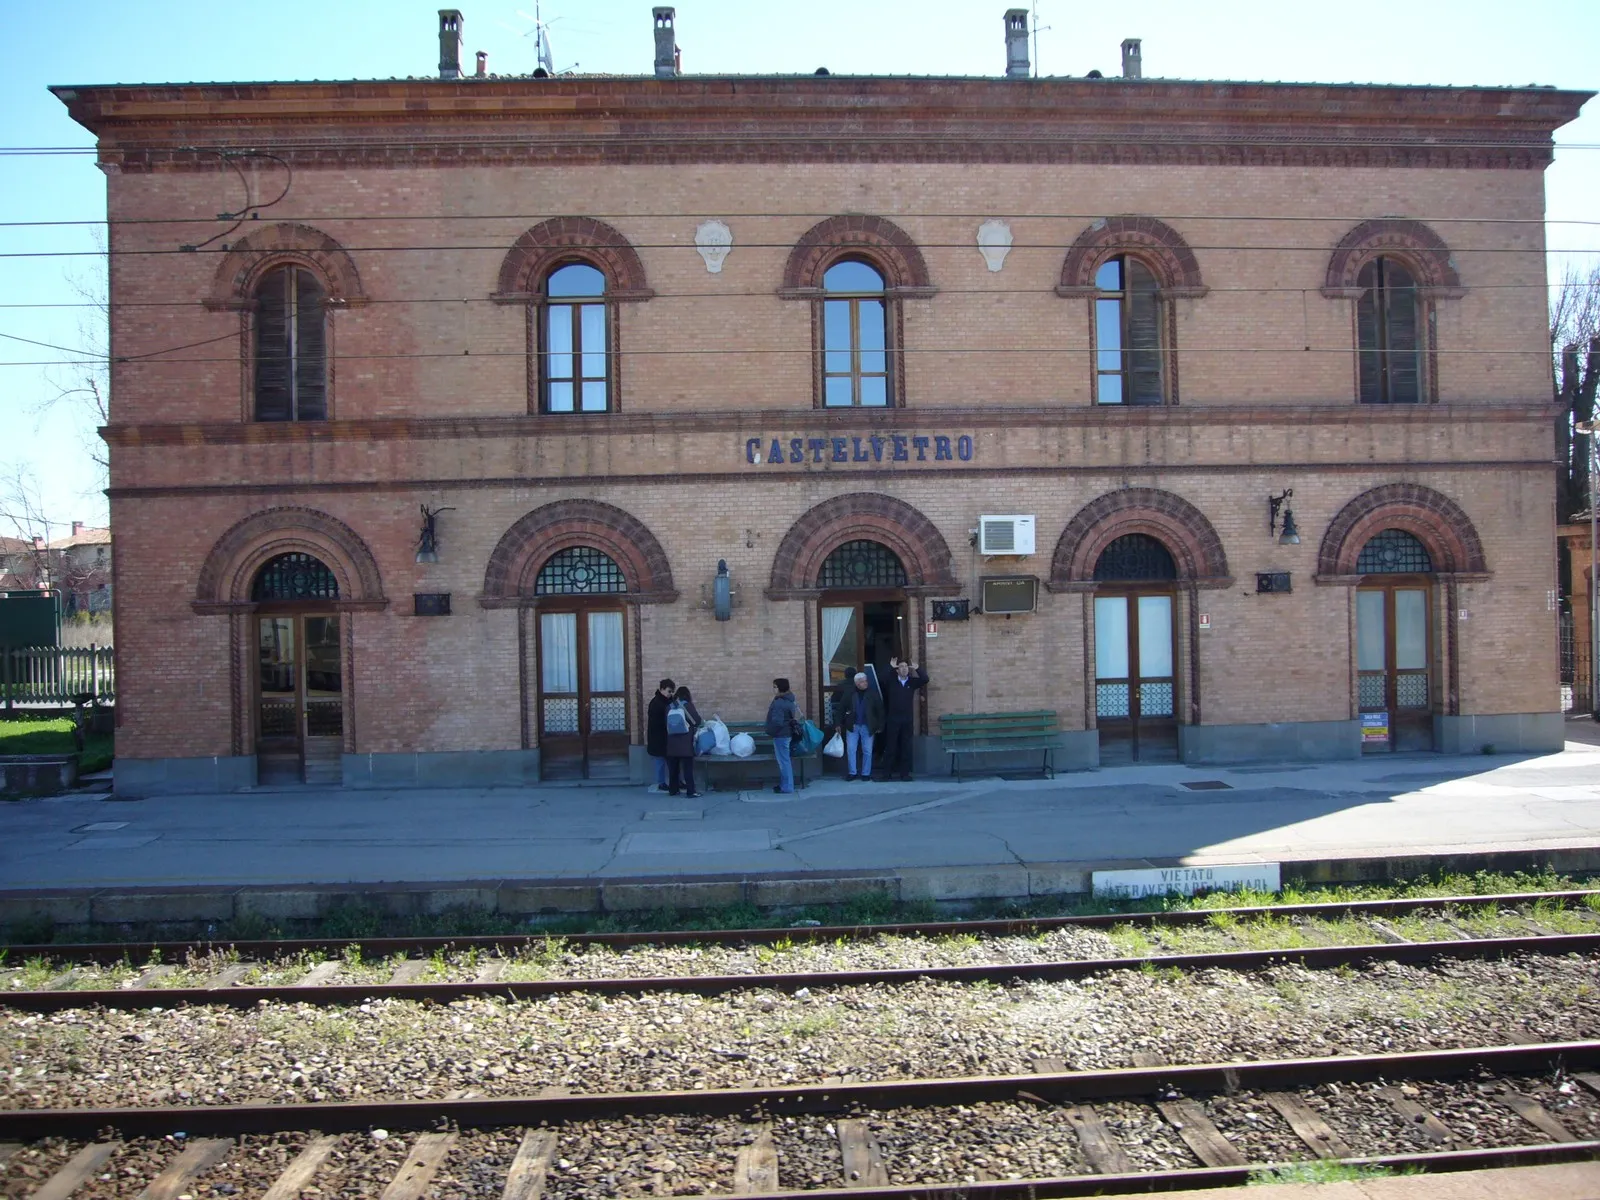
<point x="949" y="610"/>
<point x="431" y="604"/>
<point x="1272" y="581"/>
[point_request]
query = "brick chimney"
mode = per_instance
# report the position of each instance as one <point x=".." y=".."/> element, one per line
<point x="1130" y="58"/>
<point x="449" y="43"/>
<point x="77" y="528"/>
<point x="1016" y="43"/>
<point x="483" y="65"/>
<point x="666" y="44"/>
<point x="38" y="542"/>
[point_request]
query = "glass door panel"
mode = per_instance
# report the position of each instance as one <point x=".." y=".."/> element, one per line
<point x="558" y="674"/>
<point x="841" y="643"/>
<point x="279" y="681"/>
<point x="1135" y="688"/>
<point x="608" y="706"/>
<point x="1111" y="657"/>
<point x="1393" y="669"/>
<point x="583" y="704"/>
<point x="324" y="678"/>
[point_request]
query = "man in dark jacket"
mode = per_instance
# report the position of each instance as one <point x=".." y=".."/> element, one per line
<point x="858" y="713"/>
<point x="899" y="713"/>
<point x="783" y="724"/>
<point x="655" y="731"/>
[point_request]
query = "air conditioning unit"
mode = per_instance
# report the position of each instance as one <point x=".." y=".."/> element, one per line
<point x="1005" y="535"/>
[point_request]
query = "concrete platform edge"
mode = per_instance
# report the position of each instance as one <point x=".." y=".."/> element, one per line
<point x="533" y="898"/>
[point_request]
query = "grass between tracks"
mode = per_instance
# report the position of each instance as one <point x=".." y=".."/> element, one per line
<point x="1224" y="931"/>
<point x="54" y="736"/>
<point x="1319" y="1171"/>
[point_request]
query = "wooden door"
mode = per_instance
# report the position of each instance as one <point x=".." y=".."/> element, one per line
<point x="1135" y="683"/>
<point x="582" y="705"/>
<point x="1393" y="677"/>
<point x="299" y="699"/>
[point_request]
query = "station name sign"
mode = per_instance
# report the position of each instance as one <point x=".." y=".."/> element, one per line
<point x="875" y="448"/>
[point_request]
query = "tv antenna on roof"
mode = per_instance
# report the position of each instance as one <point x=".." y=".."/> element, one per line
<point x="541" y="33"/>
<point x="1036" y="30"/>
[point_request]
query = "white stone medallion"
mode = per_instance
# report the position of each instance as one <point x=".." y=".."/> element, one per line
<point x="713" y="239"/>
<point x="994" y="242"/>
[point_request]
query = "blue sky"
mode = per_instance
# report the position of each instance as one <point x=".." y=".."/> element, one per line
<point x="1462" y="42"/>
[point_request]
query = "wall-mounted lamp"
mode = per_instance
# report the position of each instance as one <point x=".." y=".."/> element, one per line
<point x="428" y="541"/>
<point x="722" y="592"/>
<point x="1290" y="535"/>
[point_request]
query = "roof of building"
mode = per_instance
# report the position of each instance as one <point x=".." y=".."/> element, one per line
<point x="83" y="537"/>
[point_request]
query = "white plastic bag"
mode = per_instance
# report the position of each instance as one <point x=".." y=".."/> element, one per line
<point x="742" y="745"/>
<point x="720" y="731"/>
<point x="835" y="746"/>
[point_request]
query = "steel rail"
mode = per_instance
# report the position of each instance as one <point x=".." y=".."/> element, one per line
<point x="1064" y="1087"/>
<point x="1311" y="957"/>
<point x="383" y="947"/>
<point x="1187" y="1178"/>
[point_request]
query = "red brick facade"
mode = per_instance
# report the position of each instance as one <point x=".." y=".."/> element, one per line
<point x="431" y="213"/>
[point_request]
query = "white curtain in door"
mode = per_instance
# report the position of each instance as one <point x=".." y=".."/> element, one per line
<point x="835" y="624"/>
<point x="605" y="652"/>
<point x="1111" y="637"/>
<point x="558" y="652"/>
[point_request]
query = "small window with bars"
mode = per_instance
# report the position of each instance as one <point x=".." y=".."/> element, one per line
<point x="291" y="346"/>
<point x="1135" y="557"/>
<point x="862" y="564"/>
<point x="1394" y="552"/>
<point x="579" y="571"/>
<point x="295" y="576"/>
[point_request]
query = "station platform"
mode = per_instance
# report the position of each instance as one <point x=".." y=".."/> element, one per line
<point x="294" y="852"/>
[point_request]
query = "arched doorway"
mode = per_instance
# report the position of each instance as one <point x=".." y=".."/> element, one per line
<point x="1395" y="643"/>
<point x="299" y="692"/>
<point x="582" y="703"/>
<point x="1135" y="651"/>
<point x="862" y="612"/>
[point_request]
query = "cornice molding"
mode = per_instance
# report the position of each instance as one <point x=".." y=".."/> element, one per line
<point x="838" y="118"/>
<point x="673" y="424"/>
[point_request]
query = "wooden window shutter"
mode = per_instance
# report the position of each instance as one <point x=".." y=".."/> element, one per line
<point x="1369" y="353"/>
<point x="1402" y="311"/>
<point x="1143" y="349"/>
<point x="273" y="348"/>
<point x="310" y="349"/>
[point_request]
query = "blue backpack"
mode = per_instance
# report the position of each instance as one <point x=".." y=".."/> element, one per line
<point x="677" y="720"/>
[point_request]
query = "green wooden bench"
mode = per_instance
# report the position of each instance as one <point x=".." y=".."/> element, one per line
<point x="998" y="733"/>
<point x="763" y="754"/>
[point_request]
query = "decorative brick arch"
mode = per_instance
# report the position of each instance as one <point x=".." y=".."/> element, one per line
<point x="230" y="568"/>
<point x="1434" y="519"/>
<point x="1178" y="525"/>
<point x="527" y="545"/>
<point x="1157" y="244"/>
<point x="883" y="242"/>
<point x="866" y="516"/>
<point x="1420" y="248"/>
<point x="233" y="287"/>
<point x="564" y="239"/>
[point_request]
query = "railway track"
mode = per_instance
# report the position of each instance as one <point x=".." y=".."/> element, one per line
<point x="1154" y="1127"/>
<point x="327" y="982"/>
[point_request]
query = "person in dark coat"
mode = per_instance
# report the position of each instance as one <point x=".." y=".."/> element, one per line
<point x="680" y="746"/>
<point x="899" y="714"/>
<point x="783" y="724"/>
<point x="655" y="731"/>
<point x="858" y="713"/>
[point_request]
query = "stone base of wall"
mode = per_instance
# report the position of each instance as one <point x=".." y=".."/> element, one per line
<point x="1279" y="741"/>
<point x="133" y="778"/>
<point x="459" y="768"/>
<point x="1507" y="733"/>
<point x="37" y="775"/>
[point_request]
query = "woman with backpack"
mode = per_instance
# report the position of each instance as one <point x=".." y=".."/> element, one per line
<point x="682" y="721"/>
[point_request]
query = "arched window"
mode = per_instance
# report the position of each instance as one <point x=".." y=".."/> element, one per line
<point x="1394" y="552"/>
<point x="1127" y="333"/>
<point x="862" y="564"/>
<point x="1132" y="557"/>
<point x="579" y="571"/>
<point x="855" y="350"/>
<point x="291" y="346"/>
<point x="1389" y="333"/>
<point x="575" y="349"/>
<point x="297" y="576"/>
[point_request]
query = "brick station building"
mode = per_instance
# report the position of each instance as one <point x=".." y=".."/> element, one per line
<point x="423" y="468"/>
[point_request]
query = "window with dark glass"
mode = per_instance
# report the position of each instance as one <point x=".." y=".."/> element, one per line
<point x="579" y="571"/>
<point x="855" y="351"/>
<point x="575" y="351"/>
<point x="1127" y="334"/>
<point x="1389" y="334"/>
<point x="291" y="347"/>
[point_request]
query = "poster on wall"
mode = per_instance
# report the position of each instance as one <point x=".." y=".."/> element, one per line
<point x="1374" y="727"/>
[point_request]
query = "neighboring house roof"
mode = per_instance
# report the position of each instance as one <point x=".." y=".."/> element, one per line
<point x="81" y="537"/>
